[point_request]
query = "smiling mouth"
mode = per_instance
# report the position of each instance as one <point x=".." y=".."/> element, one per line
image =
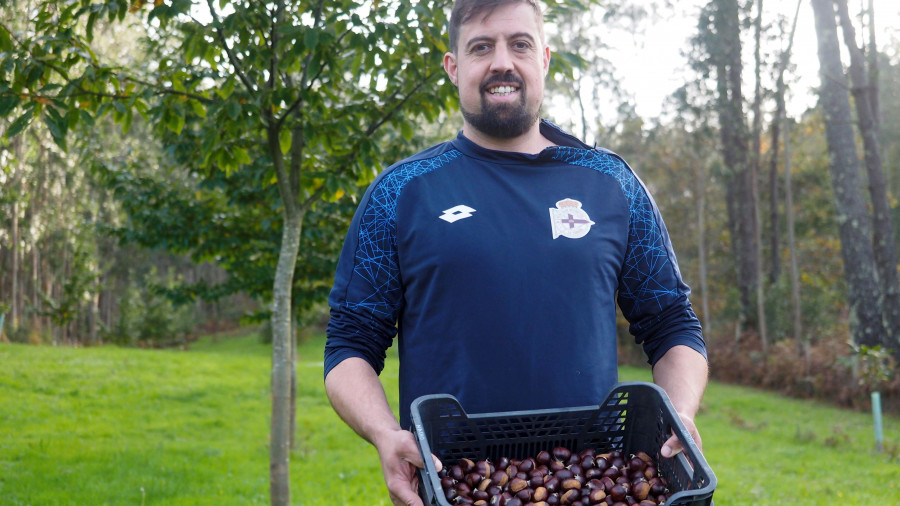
<point x="502" y="90"/>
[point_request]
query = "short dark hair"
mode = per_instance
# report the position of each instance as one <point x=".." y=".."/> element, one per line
<point x="465" y="10"/>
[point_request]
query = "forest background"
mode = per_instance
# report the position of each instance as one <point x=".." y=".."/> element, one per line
<point x="172" y="168"/>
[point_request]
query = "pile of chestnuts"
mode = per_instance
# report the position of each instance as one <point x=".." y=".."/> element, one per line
<point x="558" y="476"/>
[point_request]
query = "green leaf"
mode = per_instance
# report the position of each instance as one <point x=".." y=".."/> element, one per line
<point x="8" y="103"/>
<point x="406" y="130"/>
<point x="241" y="156"/>
<point x="174" y="121"/>
<point x="20" y="123"/>
<point x="284" y="139"/>
<point x="311" y="39"/>
<point x="198" y="108"/>
<point x="5" y="40"/>
<point x="233" y="108"/>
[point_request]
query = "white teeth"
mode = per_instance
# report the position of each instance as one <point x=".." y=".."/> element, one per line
<point x="502" y="90"/>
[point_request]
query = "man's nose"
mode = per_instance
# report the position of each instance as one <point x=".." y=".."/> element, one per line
<point x="502" y="61"/>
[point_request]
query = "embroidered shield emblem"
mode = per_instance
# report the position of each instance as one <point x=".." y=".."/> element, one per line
<point x="568" y="219"/>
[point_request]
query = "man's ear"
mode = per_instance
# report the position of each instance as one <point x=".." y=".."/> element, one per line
<point x="546" y="60"/>
<point x="450" y="67"/>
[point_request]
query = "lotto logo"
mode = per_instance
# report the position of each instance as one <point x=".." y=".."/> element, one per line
<point x="457" y="213"/>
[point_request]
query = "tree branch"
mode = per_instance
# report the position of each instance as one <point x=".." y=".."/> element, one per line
<point x="238" y="70"/>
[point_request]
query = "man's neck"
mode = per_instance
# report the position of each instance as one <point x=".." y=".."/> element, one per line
<point x="531" y="142"/>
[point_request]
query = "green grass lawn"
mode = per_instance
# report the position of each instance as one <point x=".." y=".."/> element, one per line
<point x="94" y="426"/>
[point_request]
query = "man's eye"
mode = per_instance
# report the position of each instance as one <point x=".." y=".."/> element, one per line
<point x="480" y="48"/>
<point x="522" y="45"/>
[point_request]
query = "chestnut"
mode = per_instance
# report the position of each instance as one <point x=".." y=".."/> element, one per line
<point x="543" y="457"/>
<point x="483" y="468"/>
<point x="525" y="494"/>
<point x="592" y="472"/>
<point x="540" y="494"/>
<point x="612" y="472"/>
<point x="596" y="496"/>
<point x="608" y="483"/>
<point x="618" y="492"/>
<point x="500" y="478"/>
<point x="561" y="453"/>
<point x="640" y="490"/>
<point x="587" y="461"/>
<point x="564" y="474"/>
<point x="473" y="479"/>
<point x="570" y="484"/>
<point x="552" y="484"/>
<point x="527" y="465"/>
<point x="514" y="501"/>
<point x="466" y="465"/>
<point x="517" y="484"/>
<point x="570" y="496"/>
<point x="636" y="464"/>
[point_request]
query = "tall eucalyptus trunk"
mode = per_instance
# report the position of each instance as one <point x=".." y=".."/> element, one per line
<point x="884" y="245"/>
<point x="725" y="49"/>
<point x="852" y="215"/>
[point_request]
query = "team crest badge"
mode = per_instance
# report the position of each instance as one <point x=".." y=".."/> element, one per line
<point x="568" y="219"/>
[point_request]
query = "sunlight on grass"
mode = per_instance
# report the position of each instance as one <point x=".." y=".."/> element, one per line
<point x="126" y="426"/>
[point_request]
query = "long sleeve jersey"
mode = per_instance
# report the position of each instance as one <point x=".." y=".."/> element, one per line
<point x="499" y="273"/>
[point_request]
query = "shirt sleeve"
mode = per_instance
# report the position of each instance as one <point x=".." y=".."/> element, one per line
<point x="366" y="295"/>
<point x="652" y="295"/>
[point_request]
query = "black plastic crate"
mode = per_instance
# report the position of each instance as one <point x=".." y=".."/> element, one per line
<point x="636" y="416"/>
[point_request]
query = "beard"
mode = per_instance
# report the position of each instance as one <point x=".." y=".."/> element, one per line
<point x="504" y="120"/>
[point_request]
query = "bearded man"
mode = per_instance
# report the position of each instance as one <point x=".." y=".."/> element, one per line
<point x="498" y="258"/>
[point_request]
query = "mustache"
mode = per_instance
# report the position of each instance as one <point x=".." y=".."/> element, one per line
<point x="506" y="78"/>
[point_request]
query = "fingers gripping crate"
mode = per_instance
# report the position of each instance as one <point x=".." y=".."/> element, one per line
<point x="636" y="416"/>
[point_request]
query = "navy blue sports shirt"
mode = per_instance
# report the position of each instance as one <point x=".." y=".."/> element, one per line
<point x="499" y="273"/>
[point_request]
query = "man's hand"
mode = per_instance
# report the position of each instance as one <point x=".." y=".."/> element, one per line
<point x="673" y="445"/>
<point x="682" y="373"/>
<point x="400" y="457"/>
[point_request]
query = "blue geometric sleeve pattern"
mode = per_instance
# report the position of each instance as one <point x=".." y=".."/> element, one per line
<point x="376" y="262"/>
<point x="646" y="281"/>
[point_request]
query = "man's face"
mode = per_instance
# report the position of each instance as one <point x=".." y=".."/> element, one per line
<point x="499" y="67"/>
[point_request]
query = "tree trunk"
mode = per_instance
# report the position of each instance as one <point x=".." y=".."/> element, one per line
<point x="14" y="298"/>
<point x="733" y="131"/>
<point x="293" y="403"/>
<point x="853" y="220"/>
<point x="701" y="247"/>
<point x="874" y="99"/>
<point x="754" y="180"/>
<point x="279" y="459"/>
<point x="884" y="247"/>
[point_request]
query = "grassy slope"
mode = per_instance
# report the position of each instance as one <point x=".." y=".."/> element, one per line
<point x="124" y="426"/>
